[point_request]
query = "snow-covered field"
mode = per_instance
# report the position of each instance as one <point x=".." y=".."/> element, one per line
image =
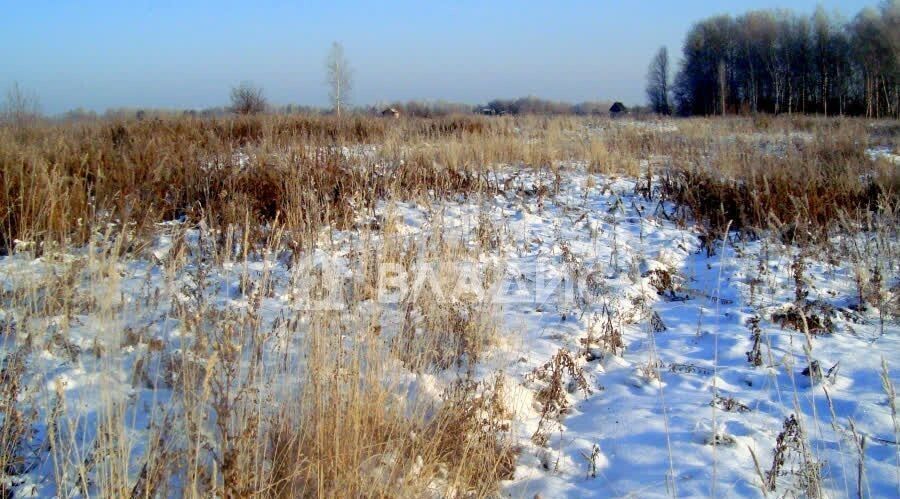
<point x="677" y="408"/>
<point x="883" y="152"/>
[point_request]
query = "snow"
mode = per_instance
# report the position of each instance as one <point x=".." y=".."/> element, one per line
<point x="883" y="152"/>
<point x="646" y="425"/>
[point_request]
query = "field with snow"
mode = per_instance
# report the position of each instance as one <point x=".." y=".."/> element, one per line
<point x="526" y="308"/>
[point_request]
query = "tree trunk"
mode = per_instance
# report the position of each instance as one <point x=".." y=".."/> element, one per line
<point x="722" y="86"/>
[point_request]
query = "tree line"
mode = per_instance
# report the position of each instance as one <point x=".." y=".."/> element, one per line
<point x="777" y="61"/>
<point x="535" y="105"/>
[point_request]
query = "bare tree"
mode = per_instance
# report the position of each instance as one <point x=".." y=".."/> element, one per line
<point x="340" y="77"/>
<point x="247" y="99"/>
<point x="20" y="107"/>
<point x="658" y="82"/>
<point x="722" y="85"/>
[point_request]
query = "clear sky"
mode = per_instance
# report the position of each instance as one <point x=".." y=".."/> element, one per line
<point x="187" y="54"/>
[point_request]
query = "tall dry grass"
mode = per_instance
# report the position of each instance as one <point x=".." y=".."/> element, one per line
<point x="803" y="185"/>
<point x="246" y="405"/>
<point x="58" y="179"/>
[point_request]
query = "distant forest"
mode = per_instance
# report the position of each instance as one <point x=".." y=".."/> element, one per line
<point x="777" y="61"/>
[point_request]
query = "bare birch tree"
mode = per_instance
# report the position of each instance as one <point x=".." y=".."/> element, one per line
<point x="658" y="82"/>
<point x="340" y="77"/>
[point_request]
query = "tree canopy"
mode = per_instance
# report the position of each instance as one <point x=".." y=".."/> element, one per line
<point x="778" y="61"/>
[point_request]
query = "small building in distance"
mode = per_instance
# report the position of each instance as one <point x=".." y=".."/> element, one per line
<point x="391" y="113"/>
<point x="489" y="111"/>
<point x="618" y="109"/>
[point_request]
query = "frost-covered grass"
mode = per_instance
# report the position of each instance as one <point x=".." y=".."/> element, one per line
<point x="454" y="307"/>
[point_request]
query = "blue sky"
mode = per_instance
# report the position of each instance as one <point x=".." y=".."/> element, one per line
<point x="187" y="54"/>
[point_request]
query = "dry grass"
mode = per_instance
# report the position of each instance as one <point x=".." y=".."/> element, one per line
<point x="805" y="186"/>
<point x="755" y="173"/>
<point x="58" y="179"/>
<point x="334" y="423"/>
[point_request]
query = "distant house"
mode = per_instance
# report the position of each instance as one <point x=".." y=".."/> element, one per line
<point x="618" y="109"/>
<point x="391" y="113"/>
<point x="490" y="111"/>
